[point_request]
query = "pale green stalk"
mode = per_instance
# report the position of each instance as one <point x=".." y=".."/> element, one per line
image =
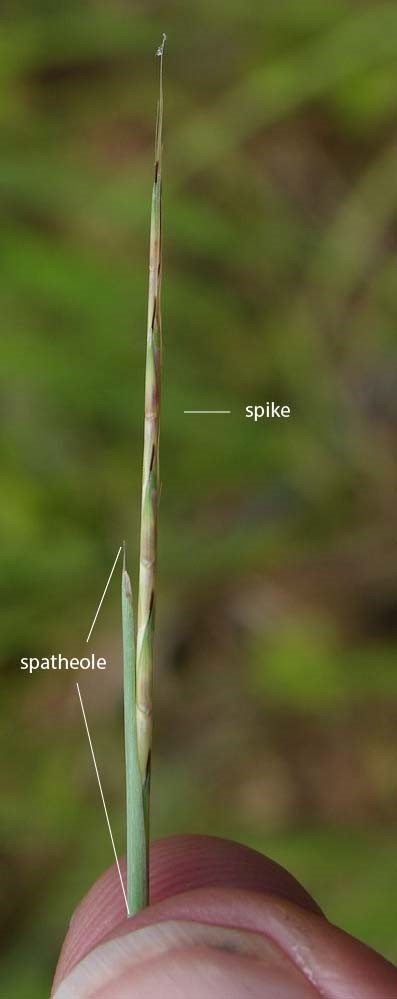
<point x="150" y="477"/>
<point x="137" y="874"/>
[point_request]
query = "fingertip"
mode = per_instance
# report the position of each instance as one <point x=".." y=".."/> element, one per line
<point x="179" y="958"/>
<point x="178" y="864"/>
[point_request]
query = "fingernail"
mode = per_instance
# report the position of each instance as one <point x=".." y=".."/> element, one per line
<point x="186" y="958"/>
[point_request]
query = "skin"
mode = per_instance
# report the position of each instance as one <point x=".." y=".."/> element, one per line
<point x="225" y="922"/>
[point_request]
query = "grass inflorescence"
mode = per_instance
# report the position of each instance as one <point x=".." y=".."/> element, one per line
<point x="138" y="656"/>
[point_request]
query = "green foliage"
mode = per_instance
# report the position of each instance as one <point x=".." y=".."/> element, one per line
<point x="305" y="667"/>
<point x="300" y="668"/>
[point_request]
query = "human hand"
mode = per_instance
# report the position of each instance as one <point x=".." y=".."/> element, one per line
<point x="224" y="922"/>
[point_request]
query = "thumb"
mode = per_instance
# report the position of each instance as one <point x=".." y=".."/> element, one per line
<point x="179" y="958"/>
<point x="223" y="919"/>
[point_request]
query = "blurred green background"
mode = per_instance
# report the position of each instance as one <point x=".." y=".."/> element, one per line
<point x="276" y="683"/>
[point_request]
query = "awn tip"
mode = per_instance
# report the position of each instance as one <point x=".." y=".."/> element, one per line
<point x="160" y="50"/>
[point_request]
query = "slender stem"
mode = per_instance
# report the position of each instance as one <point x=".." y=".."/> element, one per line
<point x="137" y="873"/>
<point x="150" y="476"/>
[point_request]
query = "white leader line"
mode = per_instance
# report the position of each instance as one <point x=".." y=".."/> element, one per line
<point x="103" y="594"/>
<point x="209" y="411"/>
<point x="103" y="798"/>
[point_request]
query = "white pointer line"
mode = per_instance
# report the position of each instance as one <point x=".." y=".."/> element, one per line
<point x="103" y="799"/>
<point x="209" y="411"/>
<point x="103" y="594"/>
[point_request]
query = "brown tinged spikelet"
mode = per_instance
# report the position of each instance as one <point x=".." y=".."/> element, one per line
<point x="150" y="476"/>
